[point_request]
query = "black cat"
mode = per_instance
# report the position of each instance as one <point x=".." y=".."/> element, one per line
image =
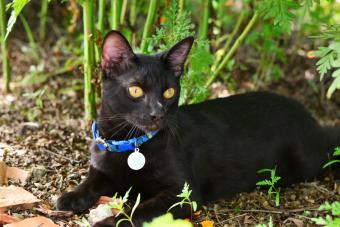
<point x="216" y="146"/>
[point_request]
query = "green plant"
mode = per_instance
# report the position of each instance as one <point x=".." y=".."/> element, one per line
<point x="167" y="220"/>
<point x="185" y="196"/>
<point x="271" y="183"/>
<point x="332" y="218"/>
<point x="176" y="27"/>
<point x="89" y="59"/>
<point x="336" y="153"/>
<point x="6" y="66"/>
<point x="148" y="24"/>
<point x="33" y="113"/>
<point x="17" y="6"/>
<point x="119" y="204"/>
<point x="270" y="223"/>
<point x="330" y="58"/>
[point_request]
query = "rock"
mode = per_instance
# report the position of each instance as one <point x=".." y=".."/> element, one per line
<point x="38" y="172"/>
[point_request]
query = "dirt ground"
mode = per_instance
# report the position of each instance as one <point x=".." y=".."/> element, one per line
<point x="50" y="142"/>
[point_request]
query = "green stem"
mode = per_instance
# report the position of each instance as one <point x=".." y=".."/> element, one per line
<point x="43" y="19"/>
<point x="180" y="6"/>
<point x="148" y="24"/>
<point x="30" y="36"/>
<point x="203" y="29"/>
<point x="133" y="16"/>
<point x="101" y="15"/>
<point x="100" y="27"/>
<point x="6" y="67"/>
<point x="123" y="11"/>
<point x="89" y="93"/>
<point x="222" y="52"/>
<point x="235" y="46"/>
<point x="115" y="13"/>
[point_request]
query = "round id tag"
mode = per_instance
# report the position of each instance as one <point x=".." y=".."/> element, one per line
<point x="136" y="160"/>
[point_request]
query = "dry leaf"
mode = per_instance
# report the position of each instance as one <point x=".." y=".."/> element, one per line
<point x="104" y="200"/>
<point x="54" y="213"/>
<point x="33" y="222"/>
<point x="207" y="223"/>
<point x="18" y="174"/>
<point x="198" y="213"/>
<point x="6" y="219"/>
<point x="297" y="222"/>
<point x="16" y="197"/>
<point x="3" y="173"/>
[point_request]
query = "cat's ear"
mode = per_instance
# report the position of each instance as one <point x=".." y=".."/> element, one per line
<point x="175" y="57"/>
<point x="117" y="54"/>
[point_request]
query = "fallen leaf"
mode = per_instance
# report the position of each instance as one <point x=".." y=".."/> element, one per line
<point x="297" y="222"/>
<point x="6" y="219"/>
<point x="18" y="174"/>
<point x="16" y="197"/>
<point x="198" y="213"/>
<point x="207" y="223"/>
<point x="33" y="222"/>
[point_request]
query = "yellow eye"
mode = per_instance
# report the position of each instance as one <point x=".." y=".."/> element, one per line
<point x="169" y="93"/>
<point x="136" y="91"/>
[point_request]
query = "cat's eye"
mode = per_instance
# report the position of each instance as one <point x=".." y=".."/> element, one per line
<point x="169" y="93"/>
<point x="136" y="92"/>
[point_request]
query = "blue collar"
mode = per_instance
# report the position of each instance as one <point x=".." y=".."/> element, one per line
<point x="121" y="145"/>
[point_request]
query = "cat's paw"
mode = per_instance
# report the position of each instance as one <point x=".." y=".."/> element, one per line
<point x="74" y="201"/>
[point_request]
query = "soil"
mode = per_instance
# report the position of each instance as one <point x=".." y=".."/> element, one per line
<point x="50" y="141"/>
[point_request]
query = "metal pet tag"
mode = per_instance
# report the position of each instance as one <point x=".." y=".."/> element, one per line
<point x="136" y="160"/>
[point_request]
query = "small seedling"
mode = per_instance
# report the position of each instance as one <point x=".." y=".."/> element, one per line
<point x="271" y="183"/>
<point x="336" y="153"/>
<point x="119" y="204"/>
<point x="332" y="218"/>
<point x="270" y="223"/>
<point x="185" y="195"/>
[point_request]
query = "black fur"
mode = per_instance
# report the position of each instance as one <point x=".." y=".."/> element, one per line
<point x="216" y="146"/>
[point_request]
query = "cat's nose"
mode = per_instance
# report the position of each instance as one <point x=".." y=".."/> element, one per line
<point x="156" y="115"/>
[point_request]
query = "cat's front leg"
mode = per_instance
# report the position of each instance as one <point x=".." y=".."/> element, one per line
<point x="87" y="193"/>
<point x="150" y="209"/>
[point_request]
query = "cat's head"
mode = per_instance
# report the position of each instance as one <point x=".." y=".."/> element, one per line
<point x="142" y="89"/>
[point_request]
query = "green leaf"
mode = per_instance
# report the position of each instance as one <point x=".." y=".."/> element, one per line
<point x="135" y="206"/>
<point x="264" y="170"/>
<point x="331" y="163"/>
<point x="336" y="151"/>
<point x="335" y="46"/>
<point x="264" y="182"/>
<point x="167" y="220"/>
<point x="17" y="6"/>
<point x="194" y="206"/>
<point x="335" y="84"/>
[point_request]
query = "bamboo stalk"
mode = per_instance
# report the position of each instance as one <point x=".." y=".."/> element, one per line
<point x="203" y="29"/>
<point x="235" y="46"/>
<point x="89" y="64"/>
<point x="180" y="6"/>
<point x="43" y="19"/>
<point x="101" y="15"/>
<point x="133" y="16"/>
<point x="148" y="24"/>
<point x="115" y="13"/>
<point x="6" y="67"/>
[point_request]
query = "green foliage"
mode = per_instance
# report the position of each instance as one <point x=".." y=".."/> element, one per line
<point x="167" y="220"/>
<point x="185" y="196"/>
<point x="279" y="10"/>
<point x="17" y="6"/>
<point x="271" y="183"/>
<point x="270" y="223"/>
<point x="329" y="58"/>
<point x="119" y="204"/>
<point x="176" y="27"/>
<point x="336" y="153"/>
<point x="34" y="112"/>
<point x="332" y="218"/>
